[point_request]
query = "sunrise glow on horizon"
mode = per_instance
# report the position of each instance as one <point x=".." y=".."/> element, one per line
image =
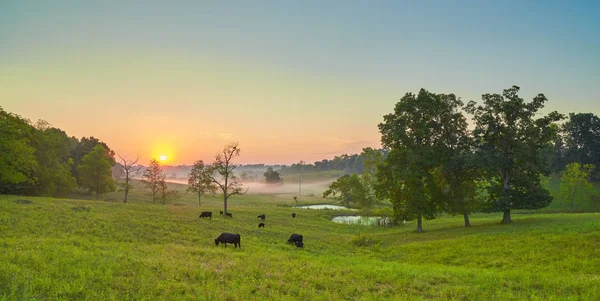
<point x="287" y="81"/>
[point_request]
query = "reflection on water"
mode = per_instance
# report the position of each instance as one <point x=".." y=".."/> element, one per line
<point x="363" y="220"/>
<point x="325" y="206"/>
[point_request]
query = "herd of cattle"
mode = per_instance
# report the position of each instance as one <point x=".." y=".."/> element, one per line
<point x="235" y="239"/>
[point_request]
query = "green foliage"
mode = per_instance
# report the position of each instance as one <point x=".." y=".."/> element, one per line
<point x="95" y="171"/>
<point x="121" y="251"/>
<point x="463" y="182"/>
<point x="574" y="182"/>
<point x="17" y="155"/>
<point x="52" y="147"/>
<point x="419" y="134"/>
<point x="272" y="177"/>
<point x="510" y="143"/>
<point x="582" y="141"/>
<point x="350" y="190"/>
<point x="200" y="180"/>
<point x="154" y="178"/>
<point x="83" y="147"/>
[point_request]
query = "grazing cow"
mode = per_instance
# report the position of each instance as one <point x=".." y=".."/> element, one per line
<point x="221" y="212"/>
<point x="294" y="239"/>
<point x="226" y="238"/>
<point x="262" y="217"/>
<point x="299" y="244"/>
<point x="228" y="214"/>
<point x="294" y="214"/>
<point x="206" y="214"/>
<point x="261" y="225"/>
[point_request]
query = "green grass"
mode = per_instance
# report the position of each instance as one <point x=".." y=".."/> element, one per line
<point x="58" y="249"/>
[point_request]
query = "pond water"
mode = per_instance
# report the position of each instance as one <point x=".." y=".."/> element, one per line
<point x="332" y="207"/>
<point x="363" y="220"/>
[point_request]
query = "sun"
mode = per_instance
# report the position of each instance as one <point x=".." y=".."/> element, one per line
<point x="162" y="158"/>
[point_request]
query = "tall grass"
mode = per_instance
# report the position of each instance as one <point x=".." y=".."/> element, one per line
<point x="112" y="251"/>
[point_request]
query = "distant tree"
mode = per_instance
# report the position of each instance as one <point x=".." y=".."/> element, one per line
<point x="129" y="169"/>
<point x="582" y="141"/>
<point x="418" y="134"/>
<point x="95" y="171"/>
<point x="153" y="178"/>
<point x="370" y="160"/>
<point x="510" y="142"/>
<point x="349" y="189"/>
<point x="200" y="180"/>
<point x="17" y="154"/>
<point x="272" y="177"/>
<point x="224" y="176"/>
<point x="574" y="183"/>
<point x="81" y="148"/>
<point x="163" y="190"/>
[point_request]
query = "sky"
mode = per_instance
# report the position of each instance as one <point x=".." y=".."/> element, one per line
<point x="288" y="80"/>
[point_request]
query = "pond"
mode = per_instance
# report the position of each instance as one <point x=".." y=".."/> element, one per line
<point x="325" y="206"/>
<point x="363" y="220"/>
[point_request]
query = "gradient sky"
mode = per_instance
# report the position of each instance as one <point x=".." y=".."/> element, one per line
<point x="300" y="80"/>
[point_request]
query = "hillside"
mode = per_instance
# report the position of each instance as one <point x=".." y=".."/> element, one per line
<point x="77" y="249"/>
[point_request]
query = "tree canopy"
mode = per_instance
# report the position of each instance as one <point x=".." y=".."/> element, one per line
<point x="95" y="171"/>
<point x="419" y="134"/>
<point x="510" y="141"/>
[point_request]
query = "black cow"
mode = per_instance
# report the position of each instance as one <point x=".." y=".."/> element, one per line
<point x="221" y="212"/>
<point x="228" y="214"/>
<point x="261" y="225"/>
<point x="294" y="214"/>
<point x="299" y="244"/>
<point x="262" y="217"/>
<point x="226" y="238"/>
<point x="294" y="239"/>
<point x="206" y="214"/>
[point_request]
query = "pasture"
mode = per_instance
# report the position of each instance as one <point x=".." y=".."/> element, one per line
<point x="65" y="249"/>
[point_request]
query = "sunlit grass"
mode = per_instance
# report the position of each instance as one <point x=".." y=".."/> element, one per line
<point x="115" y="251"/>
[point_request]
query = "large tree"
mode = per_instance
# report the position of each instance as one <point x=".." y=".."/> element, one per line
<point x="152" y="178"/>
<point x="581" y="135"/>
<point x="224" y="176"/>
<point x="200" y="180"/>
<point x="510" y="142"/>
<point x="95" y="171"/>
<point x="574" y="183"/>
<point x="129" y="168"/>
<point x="17" y="154"/>
<point x="418" y="135"/>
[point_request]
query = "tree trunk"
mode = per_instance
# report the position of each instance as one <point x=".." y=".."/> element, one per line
<point x="97" y="194"/>
<point x="506" y="199"/>
<point x="506" y="218"/>
<point x="467" y="223"/>
<point x="571" y="209"/>
<point x="224" y="204"/>
<point x="199" y="197"/>
<point x="126" y="189"/>
<point x="420" y="223"/>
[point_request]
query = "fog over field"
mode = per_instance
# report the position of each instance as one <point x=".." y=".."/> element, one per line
<point x="286" y="188"/>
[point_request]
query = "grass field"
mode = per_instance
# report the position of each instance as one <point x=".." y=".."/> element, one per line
<point x="58" y="249"/>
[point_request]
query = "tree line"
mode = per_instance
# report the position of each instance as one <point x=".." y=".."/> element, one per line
<point x="349" y="164"/>
<point x="42" y="160"/>
<point x="433" y="163"/>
